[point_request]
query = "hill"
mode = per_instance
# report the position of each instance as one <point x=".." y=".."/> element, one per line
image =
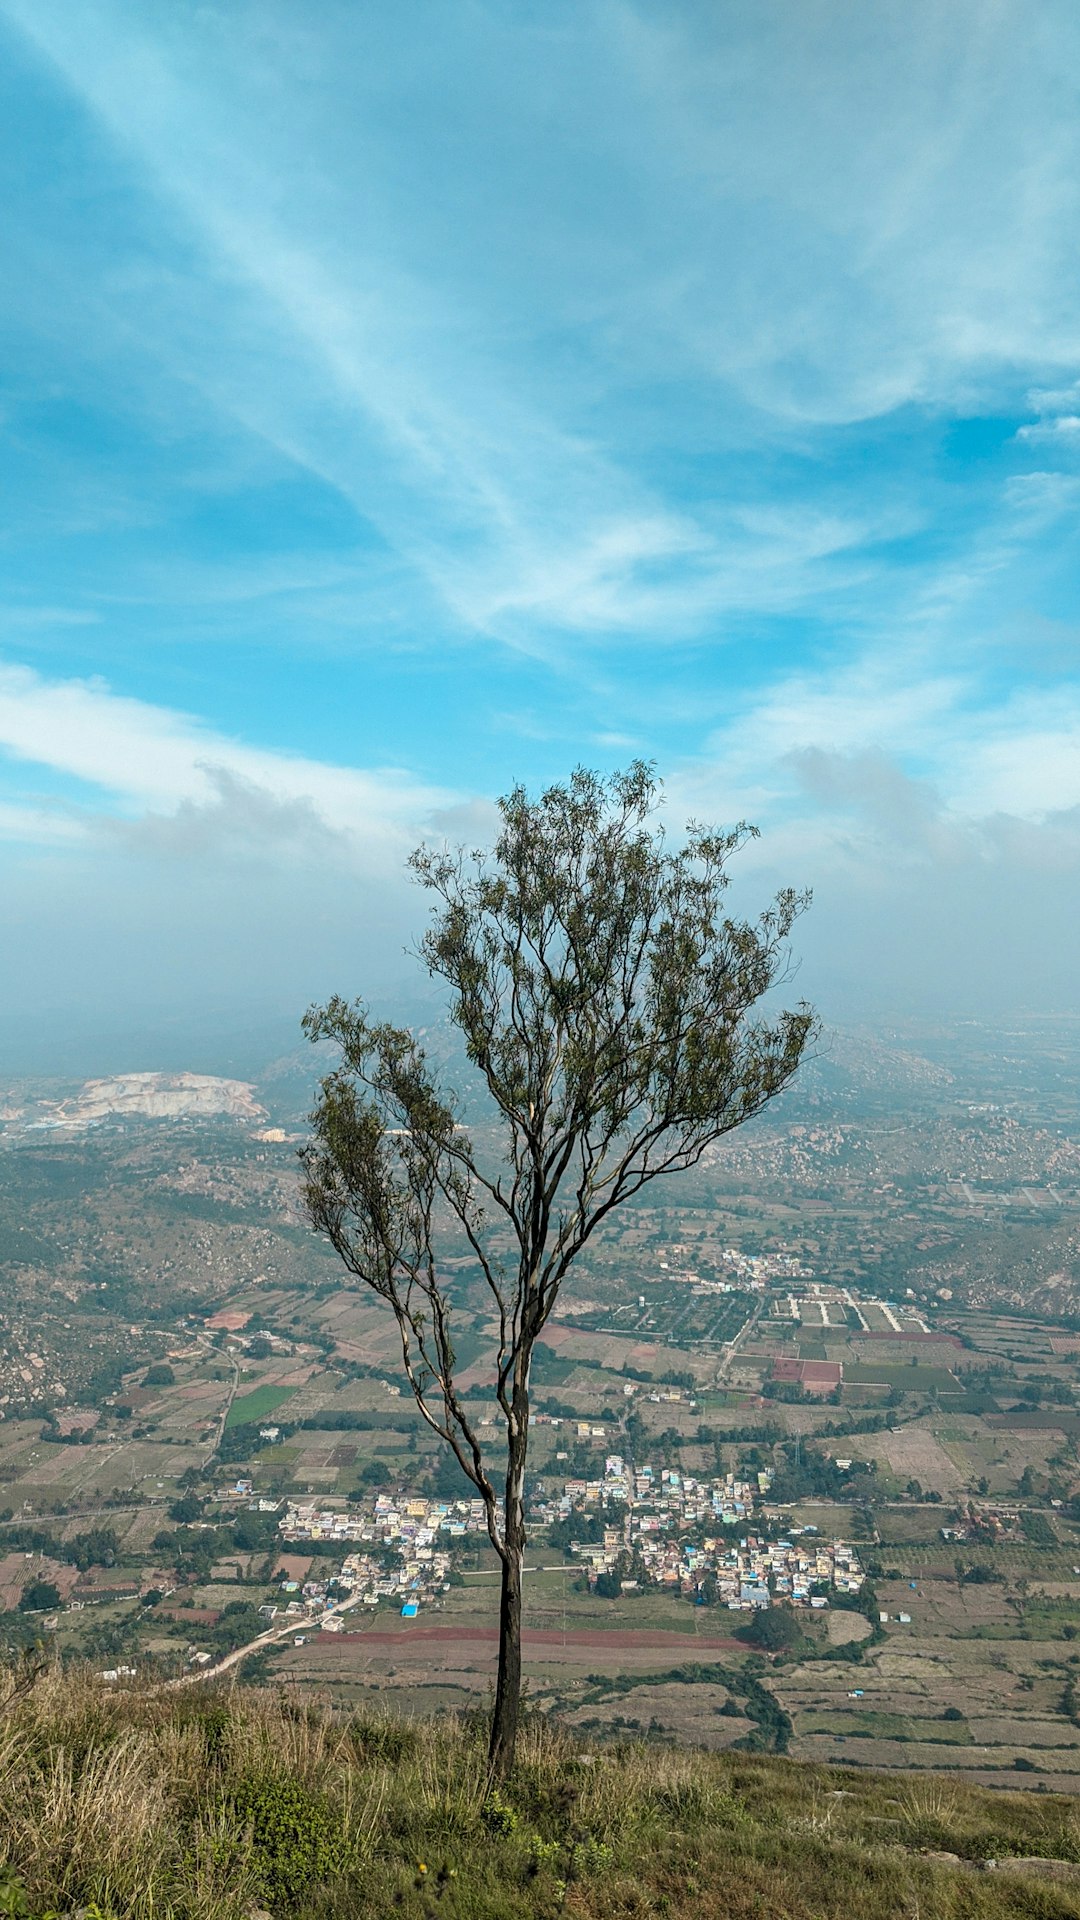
<point x="135" y="1096"/>
<point x="224" y="1805"/>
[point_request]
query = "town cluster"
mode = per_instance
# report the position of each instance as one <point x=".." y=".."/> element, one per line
<point x="393" y="1547"/>
<point x="653" y="1501"/>
<point x="657" y="1527"/>
<point x="756" y="1271"/>
<point x="675" y="1531"/>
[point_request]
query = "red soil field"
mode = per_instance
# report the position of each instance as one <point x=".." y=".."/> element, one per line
<point x="551" y="1637"/>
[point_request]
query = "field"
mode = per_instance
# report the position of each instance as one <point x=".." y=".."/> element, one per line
<point x="914" y="1378"/>
<point x="257" y="1404"/>
<point x="997" y="1651"/>
<point x="947" y="1452"/>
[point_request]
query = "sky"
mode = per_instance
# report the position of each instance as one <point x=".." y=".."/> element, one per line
<point x="398" y="403"/>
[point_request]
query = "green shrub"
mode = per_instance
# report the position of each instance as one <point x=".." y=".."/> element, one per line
<point x="497" y="1816"/>
<point x="543" y="1853"/>
<point x="15" y="1903"/>
<point x="589" y="1857"/>
<point x="297" y="1840"/>
<point x="381" y="1740"/>
<point x="13" y="1898"/>
<point x="214" y="1723"/>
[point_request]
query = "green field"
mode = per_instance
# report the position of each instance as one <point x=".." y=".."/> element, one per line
<point x="908" y="1379"/>
<point x="257" y="1404"/>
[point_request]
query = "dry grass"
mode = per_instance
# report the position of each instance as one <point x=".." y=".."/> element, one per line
<point x="213" y="1806"/>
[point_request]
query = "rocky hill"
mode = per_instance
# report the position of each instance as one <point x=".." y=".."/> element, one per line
<point x="146" y="1096"/>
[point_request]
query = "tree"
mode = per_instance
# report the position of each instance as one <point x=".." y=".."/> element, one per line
<point x="39" y="1596"/>
<point x="775" y="1630"/>
<point x="604" y="997"/>
<point x="376" y="1474"/>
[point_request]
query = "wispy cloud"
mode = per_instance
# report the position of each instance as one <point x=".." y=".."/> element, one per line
<point x="899" y="196"/>
<point x="1063" y="426"/>
<point x="805" y="250"/>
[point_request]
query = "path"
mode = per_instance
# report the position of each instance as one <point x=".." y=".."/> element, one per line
<point x="298" y="1624"/>
<point x="725" y="1364"/>
<point x="230" y="1397"/>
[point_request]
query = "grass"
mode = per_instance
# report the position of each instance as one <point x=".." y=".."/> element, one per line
<point x="917" y="1379"/>
<point x="257" y="1404"/>
<point x="212" y="1805"/>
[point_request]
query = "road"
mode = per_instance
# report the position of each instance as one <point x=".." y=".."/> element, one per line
<point x="298" y="1624"/>
<point x="725" y="1364"/>
<point x="231" y="1396"/>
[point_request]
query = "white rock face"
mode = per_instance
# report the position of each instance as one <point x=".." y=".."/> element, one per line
<point x="156" y="1096"/>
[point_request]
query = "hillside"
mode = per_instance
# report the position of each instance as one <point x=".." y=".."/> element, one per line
<point x="135" y="1096"/>
<point x="222" y="1806"/>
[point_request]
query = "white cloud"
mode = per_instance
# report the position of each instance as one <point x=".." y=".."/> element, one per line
<point x="183" y="873"/>
<point x="141" y="759"/>
<point x="1066" y="426"/>
<point x="880" y="740"/>
<point x="920" y="903"/>
<point x="41" y="824"/>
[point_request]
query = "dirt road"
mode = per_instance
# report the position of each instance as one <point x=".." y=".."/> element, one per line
<point x="725" y="1364"/>
<point x="298" y="1624"/>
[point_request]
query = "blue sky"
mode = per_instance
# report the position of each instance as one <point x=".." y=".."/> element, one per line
<point x="400" y="402"/>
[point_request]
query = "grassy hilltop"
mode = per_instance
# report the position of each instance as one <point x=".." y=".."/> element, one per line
<point x="204" y="1805"/>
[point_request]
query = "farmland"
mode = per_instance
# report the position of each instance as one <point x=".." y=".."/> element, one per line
<point x="777" y="1311"/>
<point x="257" y="1405"/>
<point x="992" y="1618"/>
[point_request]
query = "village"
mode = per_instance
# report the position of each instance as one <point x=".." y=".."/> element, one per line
<point x="662" y="1533"/>
<point x="656" y="1528"/>
<point x="417" y="1531"/>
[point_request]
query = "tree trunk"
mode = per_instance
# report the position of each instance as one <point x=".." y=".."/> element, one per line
<point x="504" y="1723"/>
